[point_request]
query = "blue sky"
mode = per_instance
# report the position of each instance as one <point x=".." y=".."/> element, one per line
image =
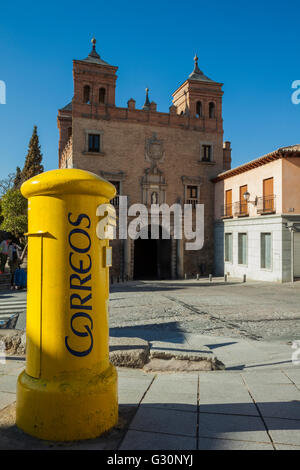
<point x="251" y="47"/>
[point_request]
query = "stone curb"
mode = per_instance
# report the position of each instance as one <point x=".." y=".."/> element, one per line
<point x="134" y="353"/>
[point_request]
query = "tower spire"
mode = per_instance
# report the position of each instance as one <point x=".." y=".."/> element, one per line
<point x="147" y="102"/>
<point x="93" y="52"/>
<point x="196" y="68"/>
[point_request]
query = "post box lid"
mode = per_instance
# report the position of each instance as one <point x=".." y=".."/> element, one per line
<point x="68" y="181"/>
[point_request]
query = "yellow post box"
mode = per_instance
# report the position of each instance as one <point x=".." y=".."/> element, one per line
<point x="68" y="390"/>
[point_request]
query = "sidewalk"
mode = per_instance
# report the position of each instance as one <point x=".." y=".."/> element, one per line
<point x="253" y="404"/>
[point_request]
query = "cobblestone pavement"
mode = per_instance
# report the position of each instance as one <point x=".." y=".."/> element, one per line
<point x="252" y="310"/>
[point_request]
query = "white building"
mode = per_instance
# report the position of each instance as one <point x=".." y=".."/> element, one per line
<point x="257" y="218"/>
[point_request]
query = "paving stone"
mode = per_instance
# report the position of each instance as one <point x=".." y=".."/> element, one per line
<point x="6" y="399"/>
<point x="245" y="428"/>
<point x="181" y="383"/>
<point x="279" y="401"/>
<point x="286" y="447"/>
<point x="130" y="397"/>
<point x="226" y="395"/>
<point x="171" y="400"/>
<point x="12" y="367"/>
<point x="273" y="377"/>
<point x="138" y="440"/>
<point x="166" y="421"/>
<point x="284" y="431"/>
<point x="8" y="383"/>
<point x="229" y="444"/>
<point x="294" y="375"/>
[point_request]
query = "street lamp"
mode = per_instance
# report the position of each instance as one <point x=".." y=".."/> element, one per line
<point x="246" y="196"/>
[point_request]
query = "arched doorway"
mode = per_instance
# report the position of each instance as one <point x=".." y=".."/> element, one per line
<point x="152" y="258"/>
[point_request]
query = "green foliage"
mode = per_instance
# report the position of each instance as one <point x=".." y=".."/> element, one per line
<point x="18" y="178"/>
<point x="33" y="162"/>
<point x="6" y="183"/>
<point x="13" y="206"/>
<point x="14" y="212"/>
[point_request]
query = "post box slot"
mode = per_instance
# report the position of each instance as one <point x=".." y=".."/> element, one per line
<point x="34" y="320"/>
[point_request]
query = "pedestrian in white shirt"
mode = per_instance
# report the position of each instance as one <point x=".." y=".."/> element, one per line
<point x="4" y="247"/>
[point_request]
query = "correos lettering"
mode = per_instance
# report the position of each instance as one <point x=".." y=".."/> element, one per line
<point x="80" y="283"/>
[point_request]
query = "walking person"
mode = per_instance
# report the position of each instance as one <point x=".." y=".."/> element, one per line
<point x="4" y="245"/>
<point x="13" y="261"/>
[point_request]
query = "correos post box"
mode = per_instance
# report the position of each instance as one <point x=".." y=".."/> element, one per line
<point x="68" y="390"/>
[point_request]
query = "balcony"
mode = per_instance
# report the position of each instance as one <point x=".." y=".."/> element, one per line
<point x="226" y="211"/>
<point x="266" y="204"/>
<point x="240" y="209"/>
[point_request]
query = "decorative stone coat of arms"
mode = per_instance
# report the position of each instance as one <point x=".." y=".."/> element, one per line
<point x="154" y="150"/>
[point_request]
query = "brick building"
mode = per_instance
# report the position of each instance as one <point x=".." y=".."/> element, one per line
<point x="149" y="156"/>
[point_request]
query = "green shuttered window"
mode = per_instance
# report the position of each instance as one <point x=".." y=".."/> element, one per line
<point x="265" y="251"/>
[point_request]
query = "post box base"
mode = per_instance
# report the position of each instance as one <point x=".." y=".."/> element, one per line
<point x="68" y="407"/>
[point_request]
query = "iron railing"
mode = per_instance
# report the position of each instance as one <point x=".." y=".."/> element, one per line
<point x="226" y="210"/>
<point x="240" y="209"/>
<point x="266" y="204"/>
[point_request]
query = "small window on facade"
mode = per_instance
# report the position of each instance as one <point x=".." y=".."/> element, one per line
<point x="228" y="247"/>
<point x="206" y="153"/>
<point x="242" y="248"/>
<point x="94" y="143"/>
<point x="86" y="94"/>
<point x="102" y="95"/>
<point x="192" y="192"/>
<point x="265" y="251"/>
<point x="212" y="110"/>
<point x="198" y="109"/>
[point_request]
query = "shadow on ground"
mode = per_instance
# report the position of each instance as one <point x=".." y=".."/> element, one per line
<point x="176" y="426"/>
<point x="170" y="332"/>
<point x="152" y="286"/>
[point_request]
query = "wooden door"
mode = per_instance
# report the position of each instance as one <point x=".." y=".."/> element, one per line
<point x="268" y="195"/>
<point x="243" y="203"/>
<point x="228" y="203"/>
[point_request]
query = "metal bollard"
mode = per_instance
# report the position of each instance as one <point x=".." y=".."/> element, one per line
<point x="210" y="278"/>
<point x="197" y="277"/>
<point x="244" y="278"/>
<point x="225" y="277"/>
<point x="68" y="390"/>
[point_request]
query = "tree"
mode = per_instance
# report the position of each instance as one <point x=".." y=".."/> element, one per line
<point x="18" y="178"/>
<point x="14" y="212"/>
<point x="6" y="183"/>
<point x="33" y="162"/>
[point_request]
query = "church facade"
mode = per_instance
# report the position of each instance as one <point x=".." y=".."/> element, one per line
<point x="150" y="156"/>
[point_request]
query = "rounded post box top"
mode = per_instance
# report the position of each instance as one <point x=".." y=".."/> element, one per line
<point x="67" y="181"/>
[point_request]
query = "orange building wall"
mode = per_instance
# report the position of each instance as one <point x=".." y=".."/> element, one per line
<point x="291" y="185"/>
<point x="254" y="179"/>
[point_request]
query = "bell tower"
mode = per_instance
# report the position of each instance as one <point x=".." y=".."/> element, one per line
<point x="200" y="97"/>
<point x="94" y="84"/>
